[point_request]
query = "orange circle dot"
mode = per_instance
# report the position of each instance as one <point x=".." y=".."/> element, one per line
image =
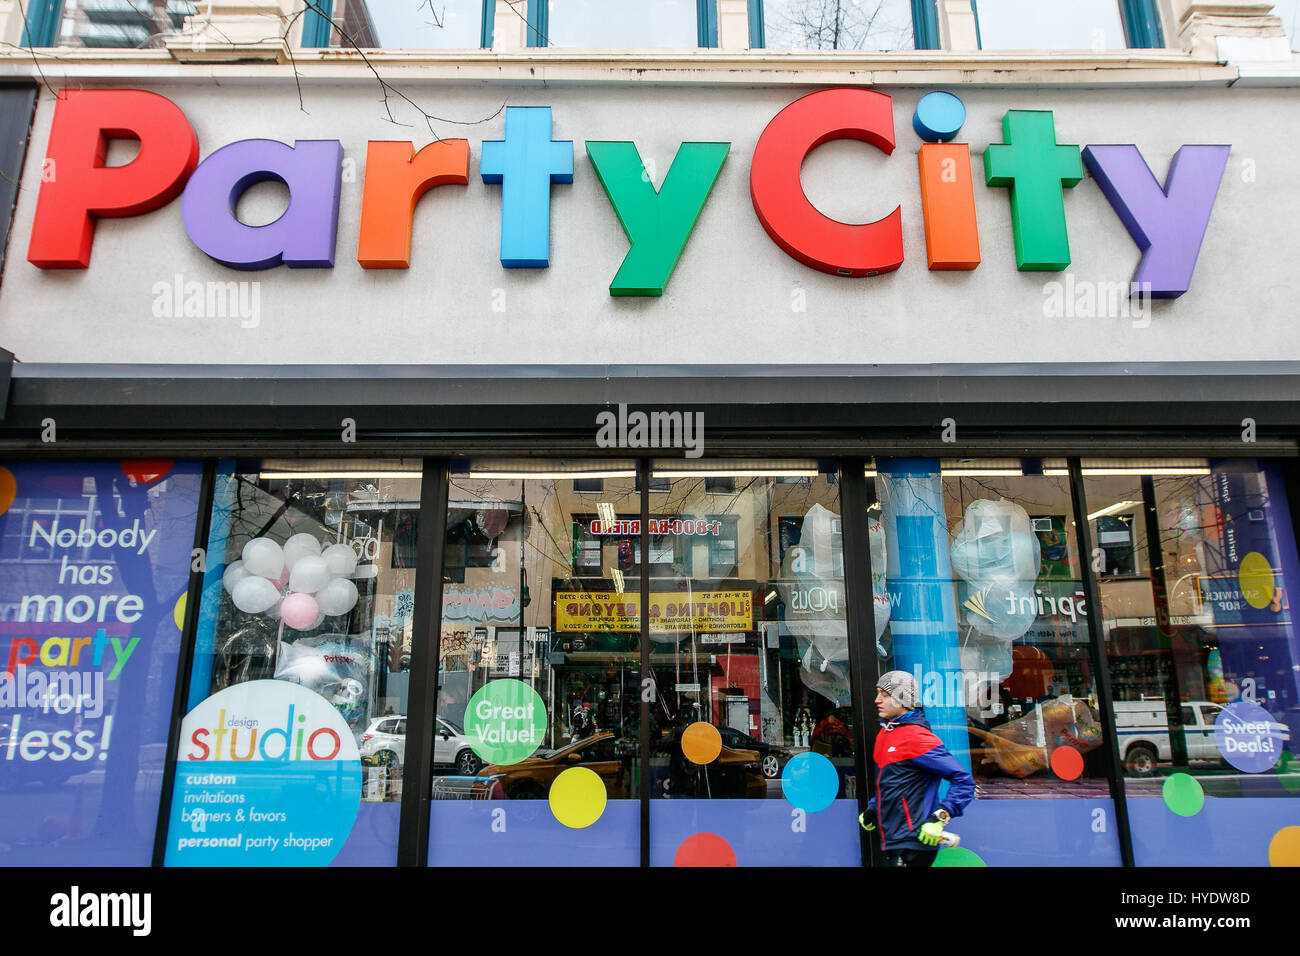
<point x="705" y="849"/>
<point x="8" y="489"/>
<point x="701" y="742"/>
<point x="1284" y="848"/>
<point x="1067" y="763"/>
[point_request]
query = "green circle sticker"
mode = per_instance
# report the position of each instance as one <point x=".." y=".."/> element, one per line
<point x="505" y="721"/>
<point x="1183" y="794"/>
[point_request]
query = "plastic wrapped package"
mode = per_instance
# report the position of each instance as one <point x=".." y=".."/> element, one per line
<point x="997" y="554"/>
<point x="815" y="601"/>
<point x="1024" y="746"/>
<point x="999" y="610"/>
<point x="995" y="544"/>
<point x="334" y="666"/>
<point x="879" y="578"/>
<point x="246" y="653"/>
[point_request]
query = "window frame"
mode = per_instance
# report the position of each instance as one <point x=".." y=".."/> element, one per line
<point x="1143" y="29"/>
<point x="539" y="25"/>
<point x="317" y="29"/>
<point x="925" y="26"/>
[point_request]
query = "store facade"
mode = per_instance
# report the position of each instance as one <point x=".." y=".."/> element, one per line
<point x="555" y="491"/>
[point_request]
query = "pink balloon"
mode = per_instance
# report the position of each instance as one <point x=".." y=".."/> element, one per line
<point x="283" y="581"/>
<point x="299" y="611"/>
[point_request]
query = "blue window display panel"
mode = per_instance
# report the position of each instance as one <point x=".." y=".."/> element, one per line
<point x="760" y="832"/>
<point x="526" y="833"/>
<point x="1055" y="832"/>
<point x="1223" y="832"/>
<point x="94" y="568"/>
<point x="373" y="836"/>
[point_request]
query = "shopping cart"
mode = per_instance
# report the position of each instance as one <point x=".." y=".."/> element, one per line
<point x="466" y="788"/>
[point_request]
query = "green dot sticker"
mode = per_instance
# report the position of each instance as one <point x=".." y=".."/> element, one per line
<point x="1288" y="769"/>
<point x="958" y="856"/>
<point x="1183" y="794"/>
<point x="505" y="721"/>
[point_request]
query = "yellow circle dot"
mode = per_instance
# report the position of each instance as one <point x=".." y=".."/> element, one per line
<point x="8" y="489"/>
<point x="178" y="612"/>
<point x="1256" y="579"/>
<point x="577" y="797"/>
<point x="1284" y="848"/>
<point x="701" y="742"/>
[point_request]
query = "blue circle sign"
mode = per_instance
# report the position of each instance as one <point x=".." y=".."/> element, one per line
<point x="810" y="782"/>
<point x="939" y="117"/>
<point x="268" y="774"/>
<point x="1248" y="737"/>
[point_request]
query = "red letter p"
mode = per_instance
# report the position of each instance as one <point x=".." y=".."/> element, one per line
<point x="78" y="186"/>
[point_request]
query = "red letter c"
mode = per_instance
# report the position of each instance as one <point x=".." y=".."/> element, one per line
<point x="785" y="212"/>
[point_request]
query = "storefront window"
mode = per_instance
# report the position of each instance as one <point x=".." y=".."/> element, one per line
<point x="293" y="747"/>
<point x="1203" y="653"/>
<point x="982" y="601"/>
<point x="1077" y="25"/>
<point x="752" y="722"/>
<point x="837" y="24"/>
<point x="539" y="677"/>
<point x="94" y="569"/>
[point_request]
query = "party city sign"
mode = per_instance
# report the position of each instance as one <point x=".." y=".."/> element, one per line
<point x="1168" y="223"/>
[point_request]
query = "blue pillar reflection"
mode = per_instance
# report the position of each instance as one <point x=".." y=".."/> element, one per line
<point x="924" y="615"/>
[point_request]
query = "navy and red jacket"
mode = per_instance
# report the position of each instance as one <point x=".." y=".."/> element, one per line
<point x="910" y="762"/>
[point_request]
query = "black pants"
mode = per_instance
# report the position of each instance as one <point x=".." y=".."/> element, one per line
<point x="910" y="857"/>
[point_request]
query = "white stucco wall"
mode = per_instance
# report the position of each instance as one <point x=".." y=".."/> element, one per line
<point x="731" y="298"/>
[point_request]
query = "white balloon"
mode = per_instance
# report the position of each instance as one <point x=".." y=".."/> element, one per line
<point x="340" y="559"/>
<point x="299" y="546"/>
<point x="337" y="597"/>
<point x="253" y="594"/>
<point x="263" y="557"/>
<point x="309" y="575"/>
<point x="235" y="572"/>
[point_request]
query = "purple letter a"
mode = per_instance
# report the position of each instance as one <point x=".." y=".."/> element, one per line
<point x="1167" y="224"/>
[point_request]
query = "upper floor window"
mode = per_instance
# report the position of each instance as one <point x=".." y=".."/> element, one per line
<point x="406" y="25"/>
<point x="122" y="24"/>
<point x="622" y="23"/>
<point x="1093" y="25"/>
<point x="842" y="24"/>
<point x="1290" y="14"/>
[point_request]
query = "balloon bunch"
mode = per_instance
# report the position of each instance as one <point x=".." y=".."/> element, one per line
<point x="299" y="583"/>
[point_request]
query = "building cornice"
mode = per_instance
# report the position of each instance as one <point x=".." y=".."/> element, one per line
<point x="694" y="67"/>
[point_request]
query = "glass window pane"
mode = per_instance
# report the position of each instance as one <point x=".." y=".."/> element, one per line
<point x="94" y="570"/>
<point x="749" y="654"/>
<point x="979" y="598"/>
<point x="1077" y="25"/>
<point x="539" y="668"/>
<point x="390" y="25"/>
<point x="622" y="23"/>
<point x="1203" y="655"/>
<point x="838" y="24"/>
<point x="122" y="24"/>
<point x="300" y="679"/>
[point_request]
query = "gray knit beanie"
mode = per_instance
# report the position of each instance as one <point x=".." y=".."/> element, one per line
<point x="901" y="686"/>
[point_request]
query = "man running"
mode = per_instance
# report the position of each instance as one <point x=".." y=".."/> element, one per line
<point x="910" y="762"/>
